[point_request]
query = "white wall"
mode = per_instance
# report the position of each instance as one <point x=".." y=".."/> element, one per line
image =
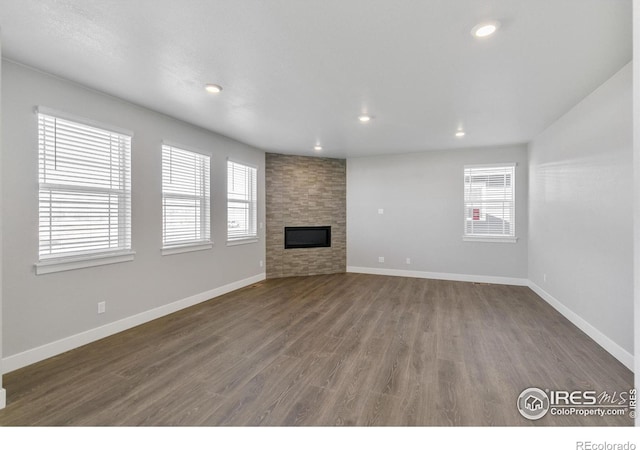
<point x="41" y="310"/>
<point x="581" y="224"/>
<point x="422" y="197"/>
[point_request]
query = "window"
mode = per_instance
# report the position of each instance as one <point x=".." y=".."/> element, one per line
<point x="84" y="192"/>
<point x="241" y="201"/>
<point x="185" y="200"/>
<point x="489" y="203"/>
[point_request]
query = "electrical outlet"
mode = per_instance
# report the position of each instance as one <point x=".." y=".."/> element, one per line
<point x="544" y="277"/>
<point x="102" y="307"/>
<point x="408" y="261"/>
<point x="380" y="211"/>
<point x="381" y="259"/>
<point x="261" y="263"/>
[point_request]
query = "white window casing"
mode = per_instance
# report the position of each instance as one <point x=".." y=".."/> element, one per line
<point x="186" y="200"/>
<point x="242" y="209"/>
<point x="489" y="203"/>
<point x="84" y="193"/>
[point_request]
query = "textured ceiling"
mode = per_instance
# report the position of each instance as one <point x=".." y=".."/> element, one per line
<point x="299" y="72"/>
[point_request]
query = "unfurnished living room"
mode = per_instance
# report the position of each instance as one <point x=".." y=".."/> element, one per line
<point x="318" y="213"/>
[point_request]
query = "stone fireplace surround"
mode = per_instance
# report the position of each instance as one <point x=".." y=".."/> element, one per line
<point x="305" y="191"/>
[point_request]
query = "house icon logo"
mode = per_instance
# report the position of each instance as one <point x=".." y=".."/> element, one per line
<point x="533" y="403"/>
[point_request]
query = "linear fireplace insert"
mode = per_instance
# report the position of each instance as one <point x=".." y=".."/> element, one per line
<point x="307" y="237"/>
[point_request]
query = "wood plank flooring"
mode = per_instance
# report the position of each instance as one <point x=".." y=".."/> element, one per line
<point x="344" y="349"/>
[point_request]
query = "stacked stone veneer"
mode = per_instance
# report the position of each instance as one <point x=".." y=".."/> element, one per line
<point x="305" y="191"/>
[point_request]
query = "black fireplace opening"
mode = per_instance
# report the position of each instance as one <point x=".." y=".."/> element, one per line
<point x="307" y="237"/>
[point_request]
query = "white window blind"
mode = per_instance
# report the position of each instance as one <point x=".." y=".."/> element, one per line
<point x="85" y="189"/>
<point x="489" y="201"/>
<point x="242" y="195"/>
<point x="185" y="197"/>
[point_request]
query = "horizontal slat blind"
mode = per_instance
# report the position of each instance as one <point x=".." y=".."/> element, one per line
<point x="85" y="189"/>
<point x="242" y="193"/>
<point x="185" y="197"/>
<point x="489" y="201"/>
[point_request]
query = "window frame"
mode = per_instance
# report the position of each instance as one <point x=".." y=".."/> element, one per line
<point x="205" y="242"/>
<point x="252" y="203"/>
<point x="51" y="262"/>
<point x="496" y="238"/>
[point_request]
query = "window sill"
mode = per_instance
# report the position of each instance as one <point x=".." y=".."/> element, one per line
<point x="242" y="241"/>
<point x="186" y="248"/>
<point x="72" y="263"/>
<point x="504" y="240"/>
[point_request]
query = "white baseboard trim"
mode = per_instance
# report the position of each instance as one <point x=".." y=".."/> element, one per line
<point x="3" y="398"/>
<point x="43" y="352"/>
<point x="440" y="276"/>
<point x="610" y="346"/>
<point x="614" y="349"/>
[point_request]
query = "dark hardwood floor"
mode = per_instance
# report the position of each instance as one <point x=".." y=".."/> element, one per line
<point x="345" y="349"/>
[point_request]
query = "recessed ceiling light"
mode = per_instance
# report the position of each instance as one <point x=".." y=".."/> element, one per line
<point x="485" y="29"/>
<point x="317" y="147"/>
<point x="460" y="133"/>
<point x="212" y="88"/>
<point x="364" y="118"/>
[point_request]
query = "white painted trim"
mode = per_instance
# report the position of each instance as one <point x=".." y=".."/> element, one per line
<point x="34" y="355"/>
<point x="614" y="349"/>
<point x="440" y="276"/>
<point x="186" y="248"/>
<point x="3" y="398"/>
<point x="601" y="339"/>
<point x="510" y="240"/>
<point x="37" y="354"/>
<point x="62" y="264"/>
<point x="242" y="241"/>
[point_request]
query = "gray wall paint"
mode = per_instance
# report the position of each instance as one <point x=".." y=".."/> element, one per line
<point x="580" y="232"/>
<point x="41" y="309"/>
<point x="422" y="197"/>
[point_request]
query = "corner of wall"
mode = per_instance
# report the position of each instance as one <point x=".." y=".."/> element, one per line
<point x="596" y="295"/>
<point x="305" y="191"/>
<point x="600" y="338"/>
